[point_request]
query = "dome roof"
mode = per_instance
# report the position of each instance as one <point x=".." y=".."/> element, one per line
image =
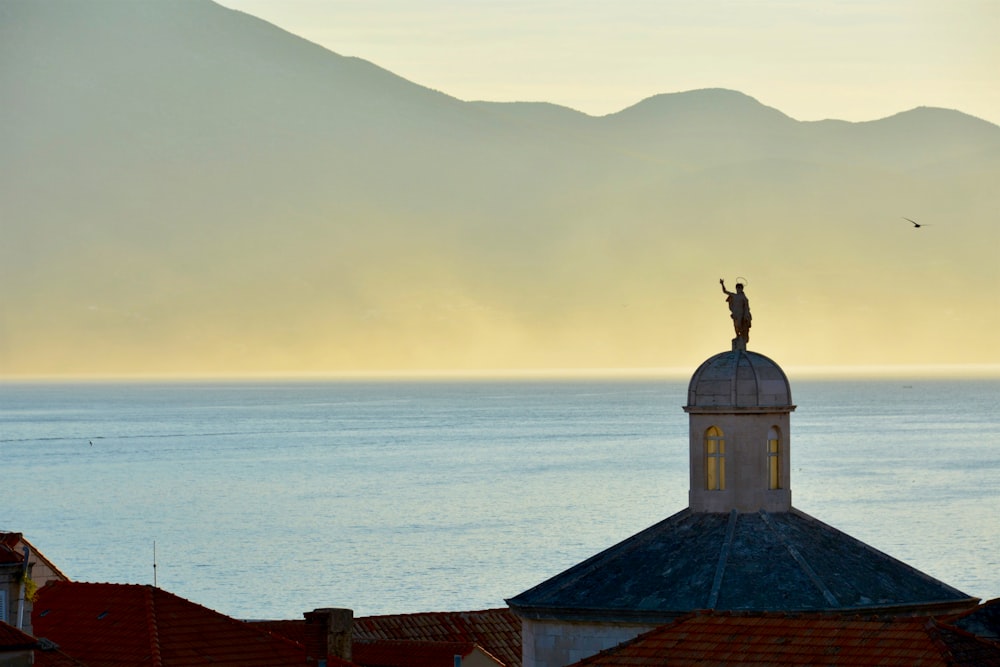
<point x="739" y="379"/>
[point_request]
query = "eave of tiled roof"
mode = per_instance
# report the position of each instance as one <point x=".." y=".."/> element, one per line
<point x="10" y="552"/>
<point x="12" y="639"/>
<point x="44" y="653"/>
<point x="51" y="656"/>
<point x="725" y="638"/>
<point x="41" y="557"/>
<point x="786" y="561"/>
<point x="982" y="621"/>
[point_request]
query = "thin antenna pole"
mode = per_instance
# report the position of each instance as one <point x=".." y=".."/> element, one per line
<point x="154" y="564"/>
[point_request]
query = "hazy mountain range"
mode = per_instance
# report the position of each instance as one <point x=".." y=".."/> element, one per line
<point x="188" y="189"/>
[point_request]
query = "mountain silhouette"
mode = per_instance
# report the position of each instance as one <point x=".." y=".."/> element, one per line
<point x="187" y="188"/>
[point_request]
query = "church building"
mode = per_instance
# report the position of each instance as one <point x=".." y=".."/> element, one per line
<point x="740" y="545"/>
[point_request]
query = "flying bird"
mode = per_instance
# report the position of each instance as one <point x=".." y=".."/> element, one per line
<point x="916" y="224"/>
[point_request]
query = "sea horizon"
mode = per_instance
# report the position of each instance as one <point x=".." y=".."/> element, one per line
<point x="269" y="498"/>
<point x="822" y="372"/>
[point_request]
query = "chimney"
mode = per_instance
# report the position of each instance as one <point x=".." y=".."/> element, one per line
<point x="334" y="630"/>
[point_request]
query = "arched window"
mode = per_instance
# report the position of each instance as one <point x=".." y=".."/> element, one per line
<point x="773" y="459"/>
<point x="715" y="459"/>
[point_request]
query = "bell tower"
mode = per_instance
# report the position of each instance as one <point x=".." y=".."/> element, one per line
<point x="739" y="404"/>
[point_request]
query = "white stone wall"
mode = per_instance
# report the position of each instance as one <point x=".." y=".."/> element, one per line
<point x="560" y="643"/>
<point x="745" y="435"/>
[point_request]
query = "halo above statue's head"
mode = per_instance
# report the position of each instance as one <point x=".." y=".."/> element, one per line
<point x="740" y="280"/>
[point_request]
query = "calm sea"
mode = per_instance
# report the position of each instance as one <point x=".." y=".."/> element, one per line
<point x="268" y="499"/>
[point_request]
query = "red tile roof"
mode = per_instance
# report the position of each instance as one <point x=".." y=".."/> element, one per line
<point x="309" y="635"/>
<point x="44" y="653"/>
<point x="496" y="631"/>
<point x="53" y="657"/>
<point x="132" y="625"/>
<point x="297" y="630"/>
<point x="12" y="639"/>
<point x="706" y="638"/>
<point x="396" y="653"/>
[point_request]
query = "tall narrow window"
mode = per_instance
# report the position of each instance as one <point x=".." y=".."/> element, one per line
<point x="773" y="459"/>
<point x="715" y="459"/>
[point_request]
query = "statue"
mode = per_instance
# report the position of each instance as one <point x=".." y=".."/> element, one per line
<point x="739" y="310"/>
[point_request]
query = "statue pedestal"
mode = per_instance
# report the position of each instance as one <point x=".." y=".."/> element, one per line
<point x="739" y="345"/>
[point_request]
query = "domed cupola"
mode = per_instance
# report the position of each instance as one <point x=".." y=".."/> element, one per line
<point x="740" y="380"/>
<point x="738" y="405"/>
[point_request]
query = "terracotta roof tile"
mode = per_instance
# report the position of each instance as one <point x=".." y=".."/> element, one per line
<point x="706" y="638"/>
<point x="297" y="630"/>
<point x="13" y="639"/>
<point x="45" y="653"/>
<point x="399" y="653"/>
<point x="132" y="625"/>
<point x="53" y="657"/>
<point x="497" y="631"/>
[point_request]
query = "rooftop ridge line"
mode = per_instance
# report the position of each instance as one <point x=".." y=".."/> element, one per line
<point x="830" y="598"/>
<point x="154" y="632"/>
<point x="720" y="568"/>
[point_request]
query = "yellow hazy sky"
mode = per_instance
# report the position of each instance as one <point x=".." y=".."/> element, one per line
<point x="849" y="59"/>
<point x="837" y="277"/>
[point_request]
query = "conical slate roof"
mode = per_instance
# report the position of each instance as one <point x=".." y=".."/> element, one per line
<point x="786" y="561"/>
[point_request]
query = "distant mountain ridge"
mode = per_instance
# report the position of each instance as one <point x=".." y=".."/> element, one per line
<point x="187" y="187"/>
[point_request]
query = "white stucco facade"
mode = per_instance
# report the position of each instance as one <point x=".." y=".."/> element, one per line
<point x="746" y="474"/>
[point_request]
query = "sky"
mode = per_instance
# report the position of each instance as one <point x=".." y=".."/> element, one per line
<point x="849" y="60"/>
<point x="853" y="60"/>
